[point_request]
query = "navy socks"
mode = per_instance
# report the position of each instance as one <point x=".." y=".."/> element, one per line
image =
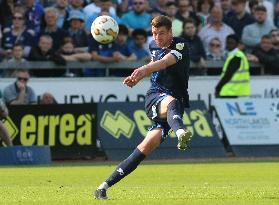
<point x="126" y="167"/>
<point x="174" y="116"/>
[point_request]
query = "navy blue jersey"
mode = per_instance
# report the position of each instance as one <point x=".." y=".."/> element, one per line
<point x="174" y="79"/>
<point x="9" y="39"/>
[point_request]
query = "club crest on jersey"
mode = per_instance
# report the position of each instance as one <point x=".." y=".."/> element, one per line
<point x="179" y="46"/>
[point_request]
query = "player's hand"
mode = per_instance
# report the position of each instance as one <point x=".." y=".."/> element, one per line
<point x="21" y="86"/>
<point x="138" y="74"/>
<point x="129" y="82"/>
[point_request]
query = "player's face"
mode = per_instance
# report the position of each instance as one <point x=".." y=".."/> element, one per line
<point x="162" y="36"/>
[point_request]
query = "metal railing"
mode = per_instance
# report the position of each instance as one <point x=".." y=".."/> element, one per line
<point x="107" y="66"/>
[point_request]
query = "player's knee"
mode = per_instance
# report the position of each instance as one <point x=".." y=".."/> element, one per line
<point x="147" y="148"/>
<point x="173" y="104"/>
<point x="163" y="108"/>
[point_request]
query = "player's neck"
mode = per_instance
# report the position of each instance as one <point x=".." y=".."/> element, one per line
<point x="168" y="44"/>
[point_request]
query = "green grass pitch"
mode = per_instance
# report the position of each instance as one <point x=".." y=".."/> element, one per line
<point x="197" y="183"/>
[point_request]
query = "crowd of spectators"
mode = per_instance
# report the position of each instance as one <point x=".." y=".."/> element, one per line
<point x="59" y="31"/>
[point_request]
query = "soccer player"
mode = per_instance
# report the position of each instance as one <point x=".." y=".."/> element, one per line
<point x="165" y="100"/>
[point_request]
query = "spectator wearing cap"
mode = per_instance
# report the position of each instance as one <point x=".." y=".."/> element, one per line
<point x="105" y="10"/>
<point x="251" y="35"/>
<point x="137" y="17"/>
<point x="50" y="28"/>
<point x="240" y="17"/>
<point x="76" y="30"/>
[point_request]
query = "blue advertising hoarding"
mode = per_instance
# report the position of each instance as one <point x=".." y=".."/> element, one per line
<point x="122" y="127"/>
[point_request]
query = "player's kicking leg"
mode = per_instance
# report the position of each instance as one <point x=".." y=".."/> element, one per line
<point x="151" y="141"/>
<point x="170" y="108"/>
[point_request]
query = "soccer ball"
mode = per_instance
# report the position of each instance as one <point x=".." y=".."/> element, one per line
<point x="104" y="29"/>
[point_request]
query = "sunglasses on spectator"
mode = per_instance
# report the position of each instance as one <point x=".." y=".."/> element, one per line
<point x="275" y="34"/>
<point x="138" y="3"/>
<point x="22" y="79"/>
<point x="215" y="45"/>
<point x="17" y="17"/>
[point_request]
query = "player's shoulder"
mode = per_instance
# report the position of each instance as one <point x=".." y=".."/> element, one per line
<point x="179" y="43"/>
<point x="179" y="40"/>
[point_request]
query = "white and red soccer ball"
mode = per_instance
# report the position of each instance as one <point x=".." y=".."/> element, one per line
<point x="104" y="29"/>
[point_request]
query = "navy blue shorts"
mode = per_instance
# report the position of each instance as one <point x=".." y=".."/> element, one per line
<point x="152" y="101"/>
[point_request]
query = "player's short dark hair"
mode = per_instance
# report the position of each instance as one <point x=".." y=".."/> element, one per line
<point x="139" y="32"/>
<point x="260" y="8"/>
<point x="123" y="29"/>
<point x="160" y="21"/>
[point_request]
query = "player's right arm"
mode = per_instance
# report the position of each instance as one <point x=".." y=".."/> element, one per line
<point x="149" y="68"/>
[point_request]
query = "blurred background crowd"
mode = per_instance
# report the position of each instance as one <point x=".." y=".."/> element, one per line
<point x="59" y="31"/>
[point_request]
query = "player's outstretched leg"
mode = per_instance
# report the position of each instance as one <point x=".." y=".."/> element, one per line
<point x="174" y="119"/>
<point x="123" y="169"/>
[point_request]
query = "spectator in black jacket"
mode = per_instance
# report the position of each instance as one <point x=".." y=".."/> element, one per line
<point x="44" y="52"/>
<point x="50" y="27"/>
<point x="240" y="17"/>
<point x="274" y="35"/>
<point x="266" y="55"/>
<point x="197" y="52"/>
